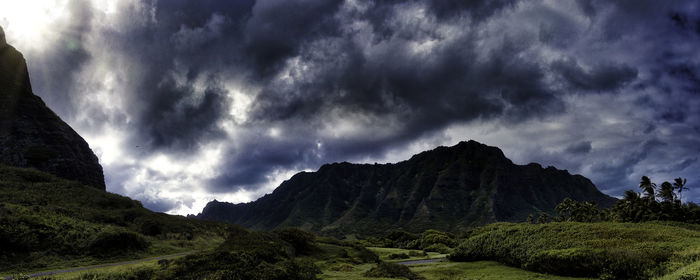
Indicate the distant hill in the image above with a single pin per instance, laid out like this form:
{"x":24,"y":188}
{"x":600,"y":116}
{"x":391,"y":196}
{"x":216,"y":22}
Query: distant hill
{"x":447,"y":188}
{"x":31,"y":135}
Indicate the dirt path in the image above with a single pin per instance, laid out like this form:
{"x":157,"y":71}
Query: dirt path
{"x":67,"y":270}
{"x":420,"y":261}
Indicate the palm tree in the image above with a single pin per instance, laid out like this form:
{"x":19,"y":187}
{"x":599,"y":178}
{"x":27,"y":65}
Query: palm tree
{"x":647,"y":187}
{"x":679,"y":185}
{"x":666,"y":192}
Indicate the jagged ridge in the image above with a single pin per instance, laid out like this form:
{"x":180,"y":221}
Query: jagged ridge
{"x":447,"y":188}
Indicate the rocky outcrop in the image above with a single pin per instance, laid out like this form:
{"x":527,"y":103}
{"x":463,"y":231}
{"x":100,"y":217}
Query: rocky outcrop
{"x":448,"y":188}
{"x":31,"y":135}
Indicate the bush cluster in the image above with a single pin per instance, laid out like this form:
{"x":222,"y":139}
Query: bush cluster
{"x":606,"y":250}
{"x":392,"y":270}
{"x":430,"y":240}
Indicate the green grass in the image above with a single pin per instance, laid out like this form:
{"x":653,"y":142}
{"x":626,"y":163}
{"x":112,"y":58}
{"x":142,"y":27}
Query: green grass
{"x":335,"y":267}
{"x":109,"y":270}
{"x":384,"y":254}
{"x":617,"y":250}
{"x":48,"y":223}
{"x":482,"y":270}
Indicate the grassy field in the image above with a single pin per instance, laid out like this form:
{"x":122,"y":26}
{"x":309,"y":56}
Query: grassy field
{"x":333,"y":267}
{"x":481,"y":270}
{"x":384,"y":254}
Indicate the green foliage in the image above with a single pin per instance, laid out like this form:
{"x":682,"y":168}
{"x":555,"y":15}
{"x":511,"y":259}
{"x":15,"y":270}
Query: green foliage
{"x":401,"y":239}
{"x":47,"y":222}
{"x":117,"y":241}
{"x":575,"y":211}
{"x":365,"y":255}
{"x":439,"y":247}
{"x":258,"y":246}
{"x":413,"y":253}
{"x":531,"y":218}
{"x":398,"y":256}
{"x":637,"y":208}
{"x":608,"y":250}
{"x":301,"y":241}
{"x":433,"y":237}
{"x":392,"y":270}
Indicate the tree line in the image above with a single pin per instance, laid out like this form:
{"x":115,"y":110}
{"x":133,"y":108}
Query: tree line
{"x":654,"y":203}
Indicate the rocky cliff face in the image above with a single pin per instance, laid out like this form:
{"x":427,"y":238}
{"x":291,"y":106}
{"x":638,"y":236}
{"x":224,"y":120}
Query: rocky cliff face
{"x":31,"y":135}
{"x":447,"y":188}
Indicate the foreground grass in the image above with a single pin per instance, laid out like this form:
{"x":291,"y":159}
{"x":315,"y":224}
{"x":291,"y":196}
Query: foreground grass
{"x":334,"y":267}
{"x":481,"y":270}
{"x":385,"y":253}
{"x":605,"y":250}
{"x":48,"y":223}
{"x":108,"y":270}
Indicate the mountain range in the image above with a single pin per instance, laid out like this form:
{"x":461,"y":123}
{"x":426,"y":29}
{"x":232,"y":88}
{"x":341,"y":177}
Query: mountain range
{"x":448,"y":188}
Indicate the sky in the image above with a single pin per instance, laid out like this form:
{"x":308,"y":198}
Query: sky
{"x":187,"y":101}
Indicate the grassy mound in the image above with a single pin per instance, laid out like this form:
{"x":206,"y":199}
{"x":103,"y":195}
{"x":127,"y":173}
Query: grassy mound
{"x":392,"y":270}
{"x":605,"y":250}
{"x":47,"y":222}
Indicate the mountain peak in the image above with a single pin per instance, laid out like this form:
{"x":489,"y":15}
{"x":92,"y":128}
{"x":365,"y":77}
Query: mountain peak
{"x":447,"y":188}
{"x":31,"y":135}
{"x":3,"y":42}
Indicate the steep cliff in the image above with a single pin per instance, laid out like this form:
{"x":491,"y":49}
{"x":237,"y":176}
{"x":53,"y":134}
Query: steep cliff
{"x":31,"y":135}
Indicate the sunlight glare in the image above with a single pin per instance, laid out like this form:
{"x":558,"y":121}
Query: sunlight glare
{"x":29,"y":23}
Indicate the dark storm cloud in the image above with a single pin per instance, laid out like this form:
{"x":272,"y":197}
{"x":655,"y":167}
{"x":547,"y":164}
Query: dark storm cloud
{"x":615,"y":174}
{"x":600,"y":78}
{"x":582,"y":147}
{"x":277,"y":29}
{"x":351,"y":80}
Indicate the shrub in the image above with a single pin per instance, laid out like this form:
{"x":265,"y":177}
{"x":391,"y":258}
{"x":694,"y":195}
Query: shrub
{"x":440,"y":248}
{"x":149,"y":227}
{"x":343,"y":268}
{"x":259,"y":246}
{"x":413,"y":253}
{"x":301,"y":241}
{"x":401,"y":239}
{"x":433,"y":237}
{"x":111,"y":242}
{"x":398,"y":256}
{"x":392,"y":270}
{"x":365,"y":255}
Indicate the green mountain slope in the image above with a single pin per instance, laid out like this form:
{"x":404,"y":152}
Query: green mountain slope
{"x":48,"y":222}
{"x":447,"y":188}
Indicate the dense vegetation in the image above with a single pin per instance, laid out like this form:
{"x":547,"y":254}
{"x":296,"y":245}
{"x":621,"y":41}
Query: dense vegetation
{"x":49,"y":222}
{"x":655,"y":203}
{"x":447,"y":189}
{"x":602,"y":243}
{"x":605,"y":250}
{"x":429,"y":241}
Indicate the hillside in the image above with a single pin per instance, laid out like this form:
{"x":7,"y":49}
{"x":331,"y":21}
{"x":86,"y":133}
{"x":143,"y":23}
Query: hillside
{"x":49,"y":222}
{"x":447,"y":188}
{"x":31,"y":135}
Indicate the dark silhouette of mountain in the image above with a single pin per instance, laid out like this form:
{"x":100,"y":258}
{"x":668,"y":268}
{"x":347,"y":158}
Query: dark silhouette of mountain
{"x":448,"y":188}
{"x":31,"y":135}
